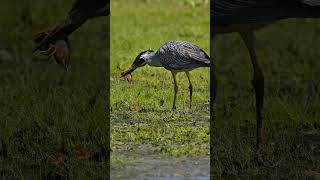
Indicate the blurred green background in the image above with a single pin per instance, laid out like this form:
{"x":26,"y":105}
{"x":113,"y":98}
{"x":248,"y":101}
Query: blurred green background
{"x":46,"y":113}
{"x":288,"y":53}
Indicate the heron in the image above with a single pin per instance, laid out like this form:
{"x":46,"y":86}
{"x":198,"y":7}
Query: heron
{"x":245,"y":17}
{"x":174,"y":56}
{"x":53,"y":41}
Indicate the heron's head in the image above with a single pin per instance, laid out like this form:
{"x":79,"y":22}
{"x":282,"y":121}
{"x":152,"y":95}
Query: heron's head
{"x":140,"y":61}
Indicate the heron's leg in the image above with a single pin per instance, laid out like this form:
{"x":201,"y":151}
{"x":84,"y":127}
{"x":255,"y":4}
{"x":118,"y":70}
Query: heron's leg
{"x":190,"y":89}
{"x":258,"y":84}
{"x":175,"y":89}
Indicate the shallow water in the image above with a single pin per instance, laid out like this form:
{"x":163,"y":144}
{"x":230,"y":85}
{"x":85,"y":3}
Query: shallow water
{"x":163,"y":168}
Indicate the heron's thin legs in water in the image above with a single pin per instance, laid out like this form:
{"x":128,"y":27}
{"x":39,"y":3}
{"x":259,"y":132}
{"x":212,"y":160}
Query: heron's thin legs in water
{"x":190,"y":88}
{"x":258,"y":84}
{"x":175,"y":90}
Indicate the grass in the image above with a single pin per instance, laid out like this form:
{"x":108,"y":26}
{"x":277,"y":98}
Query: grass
{"x":287,"y":52}
{"x":140,"y":124}
{"x":47,"y":112}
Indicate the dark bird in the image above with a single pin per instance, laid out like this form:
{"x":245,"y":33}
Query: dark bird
{"x":246,"y":16}
{"x":54,"y":40}
{"x":174,"y":56}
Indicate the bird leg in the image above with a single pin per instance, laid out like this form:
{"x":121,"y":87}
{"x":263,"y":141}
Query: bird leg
{"x":175,"y":90}
{"x":190,"y":89}
{"x":258,"y":85}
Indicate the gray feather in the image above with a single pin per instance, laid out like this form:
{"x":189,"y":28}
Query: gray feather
{"x":226,"y":12}
{"x":179,"y":55}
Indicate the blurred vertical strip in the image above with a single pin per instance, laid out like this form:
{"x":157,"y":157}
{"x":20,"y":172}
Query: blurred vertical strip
{"x":108,"y":90}
{"x":54,"y":124}
{"x":213,"y":97}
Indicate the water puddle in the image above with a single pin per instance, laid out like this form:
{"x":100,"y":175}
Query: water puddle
{"x":162,"y":168}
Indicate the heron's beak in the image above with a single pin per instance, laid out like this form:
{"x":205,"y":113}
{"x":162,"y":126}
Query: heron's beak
{"x":129,"y":71}
{"x":46,"y":36}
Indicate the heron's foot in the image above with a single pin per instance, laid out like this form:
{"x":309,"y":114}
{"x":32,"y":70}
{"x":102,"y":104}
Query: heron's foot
{"x":190,"y":108}
{"x":174,"y":108}
{"x":258,"y":157}
{"x":261,"y":161}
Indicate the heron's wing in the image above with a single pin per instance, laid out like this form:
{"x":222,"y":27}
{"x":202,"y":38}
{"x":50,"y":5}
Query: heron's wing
{"x":193,"y":52}
{"x":226,"y":12}
{"x":179,"y":55}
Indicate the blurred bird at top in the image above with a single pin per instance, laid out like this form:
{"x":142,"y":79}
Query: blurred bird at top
{"x":53,"y":41}
{"x":246,"y":16}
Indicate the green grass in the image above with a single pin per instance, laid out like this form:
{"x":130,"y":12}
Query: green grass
{"x":45,"y":110}
{"x":288,"y":53}
{"x":155,"y":130}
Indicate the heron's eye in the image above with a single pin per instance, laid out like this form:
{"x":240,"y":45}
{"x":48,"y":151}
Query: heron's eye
{"x":141,"y":60}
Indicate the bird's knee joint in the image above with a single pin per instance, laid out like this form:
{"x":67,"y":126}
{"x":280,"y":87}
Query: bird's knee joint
{"x":258,"y":75}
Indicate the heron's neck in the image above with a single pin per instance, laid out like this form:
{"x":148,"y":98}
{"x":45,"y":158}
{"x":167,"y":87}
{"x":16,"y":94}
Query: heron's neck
{"x":152,"y":60}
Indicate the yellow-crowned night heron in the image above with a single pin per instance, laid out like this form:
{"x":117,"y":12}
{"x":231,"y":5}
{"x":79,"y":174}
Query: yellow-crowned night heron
{"x":245,"y":16}
{"x":175,"y":56}
{"x":54,"y":40}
